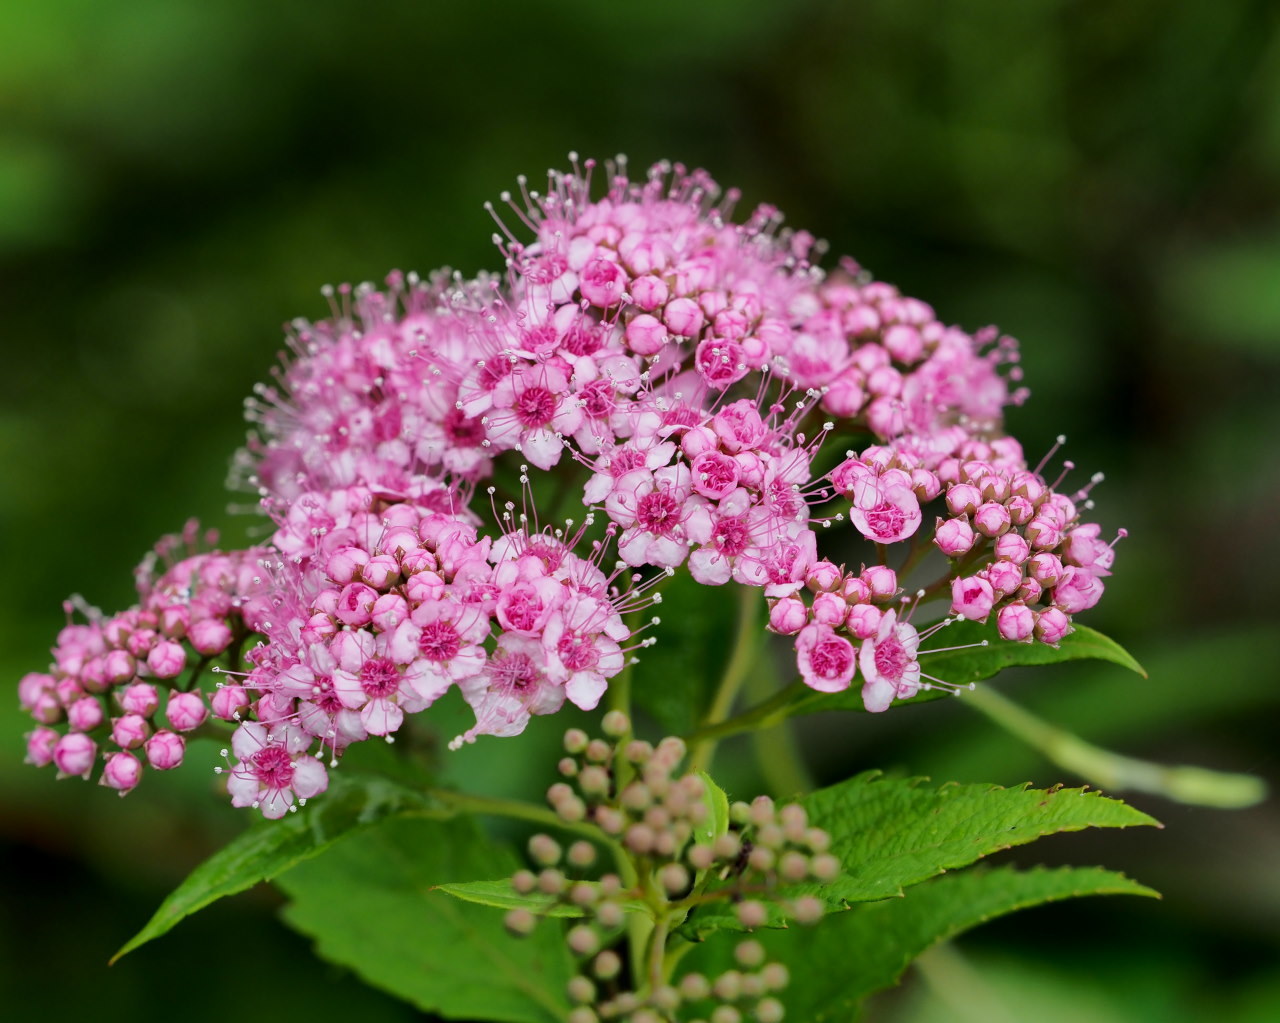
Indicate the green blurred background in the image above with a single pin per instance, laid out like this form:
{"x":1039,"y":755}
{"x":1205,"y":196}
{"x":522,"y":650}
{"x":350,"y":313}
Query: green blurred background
{"x":1101,"y":180}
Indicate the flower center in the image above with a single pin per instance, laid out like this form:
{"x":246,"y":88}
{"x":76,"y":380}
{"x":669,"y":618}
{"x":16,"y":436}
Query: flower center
{"x":831,"y":657}
{"x":657,"y":512}
{"x":379,"y":677}
{"x":731,"y":536}
{"x":576,"y":653}
{"x":273,"y":767}
{"x":535,"y":406}
{"x":439,"y":642}
{"x":515,"y":673}
{"x":891,"y":659}
{"x":886,"y":520}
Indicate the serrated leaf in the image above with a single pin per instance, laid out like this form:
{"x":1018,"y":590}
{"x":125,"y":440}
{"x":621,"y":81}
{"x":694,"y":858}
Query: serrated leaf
{"x":373,"y":904}
{"x":269,"y":848}
{"x":850,"y":955}
{"x":892,"y":833}
{"x":976,"y":663}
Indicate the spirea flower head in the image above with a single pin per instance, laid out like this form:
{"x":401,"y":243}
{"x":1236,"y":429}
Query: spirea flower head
{"x":717,"y":402}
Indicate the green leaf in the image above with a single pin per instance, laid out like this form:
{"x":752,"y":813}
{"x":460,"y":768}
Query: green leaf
{"x":892,"y":833}
{"x":373,"y":904}
{"x":500,"y":895}
{"x":849,"y":955}
{"x":269,"y":848}
{"x":717,"y":819}
{"x":961,"y":667}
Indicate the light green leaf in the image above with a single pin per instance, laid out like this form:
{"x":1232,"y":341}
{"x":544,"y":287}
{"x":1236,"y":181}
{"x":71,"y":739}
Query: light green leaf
{"x":849,"y":955}
{"x":892,"y":833}
{"x":373,"y":904}
{"x":717,"y":819}
{"x":269,"y":848}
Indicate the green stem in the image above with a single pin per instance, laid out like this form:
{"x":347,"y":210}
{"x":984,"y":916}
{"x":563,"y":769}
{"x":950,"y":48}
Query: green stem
{"x":1197,"y":786}
{"x":764,"y":715}
{"x":746,"y":647}
{"x":775,"y":746}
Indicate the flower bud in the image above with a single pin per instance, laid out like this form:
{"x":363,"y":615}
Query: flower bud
{"x":139,"y":698}
{"x":345,"y":563}
{"x":1045,"y":568}
{"x":118,"y":666}
{"x":1015,"y":622}
{"x":963,"y":499}
{"x":121,"y":772}
{"x":228,"y":701}
{"x":1052,"y":624}
{"x":882,"y":581}
{"x":1004,"y":576}
{"x":646,"y":335}
{"x":85,"y":714}
{"x":382,"y":572}
{"x":972,"y":597}
{"x":129,"y":731}
{"x":788,"y":616}
{"x":165,"y":749}
{"x":991,"y":519}
{"x":683,"y":317}
{"x":74,"y":754}
{"x":167,"y":659}
{"x":829,"y":609}
{"x":210,"y":636}
{"x":823,"y":577}
{"x":40,"y":746}
{"x":954,"y":537}
{"x":648,"y":293}
{"x":186,"y":711}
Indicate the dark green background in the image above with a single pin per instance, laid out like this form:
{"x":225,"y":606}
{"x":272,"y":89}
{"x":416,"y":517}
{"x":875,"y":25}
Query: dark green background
{"x":1101,"y":180}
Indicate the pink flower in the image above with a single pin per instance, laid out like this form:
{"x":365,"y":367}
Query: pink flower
{"x":1077,"y":590}
{"x":512,"y":686}
{"x":889,"y":666}
{"x":827,"y":662}
{"x":273,"y":768}
{"x":972,"y":597}
{"x":660,"y":516}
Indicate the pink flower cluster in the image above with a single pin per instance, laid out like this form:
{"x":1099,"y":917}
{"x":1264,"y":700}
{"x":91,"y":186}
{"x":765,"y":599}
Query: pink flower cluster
{"x":688,"y":376}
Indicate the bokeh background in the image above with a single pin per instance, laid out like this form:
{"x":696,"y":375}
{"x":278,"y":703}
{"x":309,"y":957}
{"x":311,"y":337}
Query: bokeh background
{"x":1101,"y":180}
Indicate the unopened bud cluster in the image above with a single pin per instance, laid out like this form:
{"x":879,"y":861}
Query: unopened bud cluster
{"x":663,"y":826}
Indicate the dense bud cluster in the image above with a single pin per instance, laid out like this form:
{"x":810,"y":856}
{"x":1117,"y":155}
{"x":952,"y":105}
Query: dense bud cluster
{"x":688,"y":377}
{"x":678,"y":845}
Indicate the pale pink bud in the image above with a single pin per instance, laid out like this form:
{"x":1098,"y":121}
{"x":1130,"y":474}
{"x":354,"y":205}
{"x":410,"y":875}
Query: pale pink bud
{"x":1021,"y":510}
{"x":699,"y":440}
{"x":903,"y":343}
{"x":881,"y":580}
{"x":389,"y":611}
{"x":186,"y":711}
{"x":1016,"y":622}
{"x":602,"y":282}
{"x":73,"y":754}
{"x":683,"y":317}
{"x":649,"y":292}
{"x":345,"y":563}
{"x":1029,"y":591}
{"x":991,"y":519}
{"x":129,"y":731}
{"x":1083,"y":547}
{"x":399,"y":541}
{"x":823,"y":577}
{"x":855,"y":590}
{"x":47,"y":709}
{"x":85,"y":714}
{"x":210,"y":636}
{"x":1077,"y":590}
{"x":1042,"y":534}
{"x":355,"y":604}
{"x":417,"y":560}
{"x":829,"y":609}
{"x":863,"y":620}
{"x":139,"y":698}
{"x":1045,"y":568}
{"x":963,"y":499}
{"x":1051,"y":625}
{"x":326,"y":601}
{"x":122,"y":772}
{"x":1013,"y":547}
{"x":382,"y":572}
{"x":994,"y":488}
{"x":788,"y":616}
{"x":319,"y":628}
{"x":93,"y":675}
{"x":165,"y":750}
{"x":1004,"y":576}
{"x":730,"y":324}
{"x":174,"y":621}
{"x":714,"y":475}
{"x":845,"y":395}
{"x":887,"y":416}
{"x":141,"y":642}
{"x":167,"y":659}
{"x":40,"y":745}
{"x":884,"y":382}
{"x":925,"y":484}
{"x":228,"y":701}
{"x":1028,"y":485}
{"x":32,"y":686}
{"x":68,"y":690}
{"x":646,"y":335}
{"x":971,"y":598}
{"x":954,"y":537}
{"x":118,"y":666}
